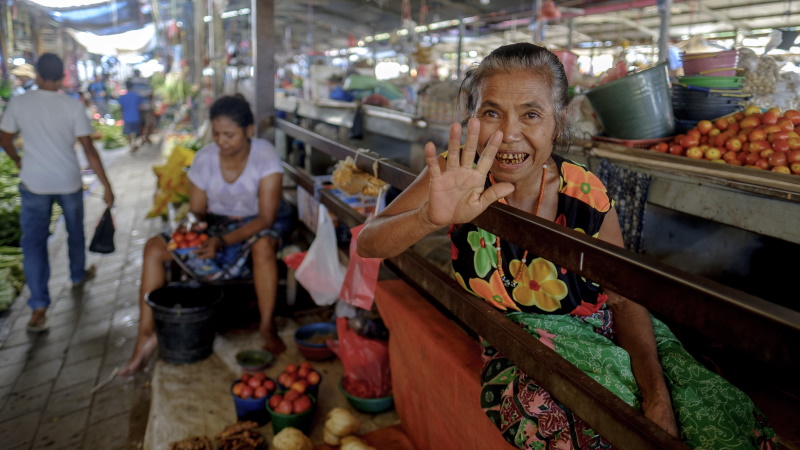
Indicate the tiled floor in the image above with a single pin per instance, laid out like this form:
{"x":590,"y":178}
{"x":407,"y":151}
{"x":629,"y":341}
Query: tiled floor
{"x":46,"y":381}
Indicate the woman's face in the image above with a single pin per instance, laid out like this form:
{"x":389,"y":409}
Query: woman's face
{"x":518,"y":103}
{"x":229,"y":136}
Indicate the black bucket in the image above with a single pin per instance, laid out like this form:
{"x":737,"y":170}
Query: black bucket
{"x":184,"y":317}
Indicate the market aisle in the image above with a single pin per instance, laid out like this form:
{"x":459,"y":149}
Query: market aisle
{"x":47,"y":381}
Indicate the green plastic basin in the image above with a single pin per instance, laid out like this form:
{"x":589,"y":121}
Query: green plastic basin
{"x":638,"y":106}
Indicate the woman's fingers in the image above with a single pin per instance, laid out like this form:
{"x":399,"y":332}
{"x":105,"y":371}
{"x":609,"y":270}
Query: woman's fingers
{"x":487,"y":156}
{"x":432,"y":160}
{"x":454,"y":146}
{"x":471,"y":143}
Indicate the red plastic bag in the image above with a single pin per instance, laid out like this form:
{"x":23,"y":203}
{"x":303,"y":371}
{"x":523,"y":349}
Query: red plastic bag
{"x":361,"y":278}
{"x":365,"y":363}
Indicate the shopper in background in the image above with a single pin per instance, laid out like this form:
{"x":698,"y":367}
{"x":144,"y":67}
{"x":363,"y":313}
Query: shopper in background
{"x":515,"y":104}
{"x":236,"y":189}
{"x":26,"y":77}
{"x":142,"y":87}
{"x":130,"y":103}
{"x":97,"y":90}
{"x":50,"y":122}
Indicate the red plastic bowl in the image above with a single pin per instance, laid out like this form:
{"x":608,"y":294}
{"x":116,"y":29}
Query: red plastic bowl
{"x":315,"y":353}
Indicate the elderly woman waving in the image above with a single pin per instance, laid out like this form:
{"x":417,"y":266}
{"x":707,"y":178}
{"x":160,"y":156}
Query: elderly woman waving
{"x":515,"y":105}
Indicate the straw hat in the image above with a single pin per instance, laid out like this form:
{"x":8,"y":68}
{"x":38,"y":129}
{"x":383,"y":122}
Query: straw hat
{"x":24,"y":70}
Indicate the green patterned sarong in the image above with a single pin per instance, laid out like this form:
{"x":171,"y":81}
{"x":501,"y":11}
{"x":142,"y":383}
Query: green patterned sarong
{"x":711,"y":413}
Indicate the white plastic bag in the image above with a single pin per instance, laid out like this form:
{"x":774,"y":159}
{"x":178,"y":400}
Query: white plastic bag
{"x":320,"y":273}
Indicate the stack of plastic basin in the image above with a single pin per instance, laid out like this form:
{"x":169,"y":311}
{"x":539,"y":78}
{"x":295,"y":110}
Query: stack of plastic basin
{"x":710,"y":88}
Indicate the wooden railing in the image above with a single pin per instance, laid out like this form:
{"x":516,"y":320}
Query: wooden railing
{"x":762,"y":330}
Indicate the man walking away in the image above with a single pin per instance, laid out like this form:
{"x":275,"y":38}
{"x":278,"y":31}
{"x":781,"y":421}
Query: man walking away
{"x":131,"y":114}
{"x":142,"y":87}
{"x":50,"y":122}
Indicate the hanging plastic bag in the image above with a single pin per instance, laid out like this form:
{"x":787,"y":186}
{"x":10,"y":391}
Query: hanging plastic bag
{"x":361,"y":278}
{"x":365,"y":363}
{"x":320,"y":272}
{"x":103,"y":239}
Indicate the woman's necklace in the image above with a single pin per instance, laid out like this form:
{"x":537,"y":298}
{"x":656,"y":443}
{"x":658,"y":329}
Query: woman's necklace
{"x":513,"y":283}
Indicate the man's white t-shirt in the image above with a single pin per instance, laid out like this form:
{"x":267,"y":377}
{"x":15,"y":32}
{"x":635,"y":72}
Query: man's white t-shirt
{"x":50,"y":123}
{"x":240,"y":198}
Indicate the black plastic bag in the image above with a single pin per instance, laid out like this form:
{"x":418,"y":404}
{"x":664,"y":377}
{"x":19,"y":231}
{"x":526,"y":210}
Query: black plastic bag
{"x":103,"y":239}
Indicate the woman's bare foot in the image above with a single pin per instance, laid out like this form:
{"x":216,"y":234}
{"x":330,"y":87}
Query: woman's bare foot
{"x":145,"y":346}
{"x":272,"y":342}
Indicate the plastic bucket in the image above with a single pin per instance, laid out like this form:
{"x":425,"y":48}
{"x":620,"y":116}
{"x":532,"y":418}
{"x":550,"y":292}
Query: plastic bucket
{"x":638,"y":106}
{"x":184,"y":321}
{"x":254,"y":409}
{"x":302,"y":421}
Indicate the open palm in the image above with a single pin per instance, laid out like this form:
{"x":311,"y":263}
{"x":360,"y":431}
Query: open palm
{"x":456,"y":193}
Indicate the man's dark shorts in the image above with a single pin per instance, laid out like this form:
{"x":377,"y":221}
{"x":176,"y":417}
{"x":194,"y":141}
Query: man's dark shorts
{"x":131,"y":128}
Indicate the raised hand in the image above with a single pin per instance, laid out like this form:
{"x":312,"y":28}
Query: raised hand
{"x":456,"y":194}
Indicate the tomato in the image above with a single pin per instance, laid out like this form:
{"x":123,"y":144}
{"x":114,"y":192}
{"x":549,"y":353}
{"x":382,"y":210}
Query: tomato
{"x":793,"y":156}
{"x":778,"y":135}
{"x":190,"y":236}
{"x":758,"y":134}
{"x":786,"y":125}
{"x":172,"y":245}
{"x":795,"y":168}
{"x":751,"y":110}
{"x":178,"y":237}
{"x":694,"y":152}
{"x":780,"y":146}
{"x":777,"y":159}
{"x":793,"y":116}
{"x":676,"y":149}
{"x":713,"y":153}
{"x":193,"y":243}
{"x":661,"y":147}
{"x":733,"y":144}
{"x":769,"y":118}
{"x":781,"y":169}
{"x":730,"y":156}
{"x":704,"y":126}
{"x":762,"y":164}
{"x":750,"y":122}
{"x":721,"y":124}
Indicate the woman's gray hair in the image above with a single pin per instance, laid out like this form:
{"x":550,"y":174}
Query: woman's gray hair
{"x":520,"y":56}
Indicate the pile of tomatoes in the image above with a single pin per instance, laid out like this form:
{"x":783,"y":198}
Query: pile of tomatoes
{"x":255,"y":385}
{"x":751,"y":138}
{"x":191,"y":238}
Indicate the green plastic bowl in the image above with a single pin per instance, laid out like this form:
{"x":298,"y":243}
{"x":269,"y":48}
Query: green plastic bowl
{"x":254,"y":360}
{"x":638,"y":106}
{"x":368,"y":405}
{"x":302,"y":421}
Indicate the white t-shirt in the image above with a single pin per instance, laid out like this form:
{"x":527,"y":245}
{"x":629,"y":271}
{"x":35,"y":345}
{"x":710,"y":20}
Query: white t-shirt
{"x":240,"y":198}
{"x":50,"y":123}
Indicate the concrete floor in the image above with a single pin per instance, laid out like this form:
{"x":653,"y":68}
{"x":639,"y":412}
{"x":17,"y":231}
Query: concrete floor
{"x":46,"y":381}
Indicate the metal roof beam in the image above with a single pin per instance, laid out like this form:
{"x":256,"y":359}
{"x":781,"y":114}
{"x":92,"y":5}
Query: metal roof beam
{"x":722,"y":17}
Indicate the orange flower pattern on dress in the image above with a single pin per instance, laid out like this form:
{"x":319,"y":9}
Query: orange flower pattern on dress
{"x":584,"y":186}
{"x":539,"y":285}
{"x":494,"y":292}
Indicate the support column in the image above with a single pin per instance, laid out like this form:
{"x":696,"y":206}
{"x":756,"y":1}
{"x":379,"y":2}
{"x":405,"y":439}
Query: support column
{"x":263,"y":21}
{"x":665,"y":13}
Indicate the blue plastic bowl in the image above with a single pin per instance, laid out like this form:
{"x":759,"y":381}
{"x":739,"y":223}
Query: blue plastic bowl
{"x":311,"y":335}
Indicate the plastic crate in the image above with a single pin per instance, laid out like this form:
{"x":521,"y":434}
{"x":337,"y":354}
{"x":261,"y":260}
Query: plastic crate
{"x":637,"y":143}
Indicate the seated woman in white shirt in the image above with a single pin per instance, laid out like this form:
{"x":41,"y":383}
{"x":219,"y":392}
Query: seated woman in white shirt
{"x":236,"y":189}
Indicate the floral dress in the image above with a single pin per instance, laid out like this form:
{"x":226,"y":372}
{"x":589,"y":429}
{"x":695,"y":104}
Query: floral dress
{"x":567,"y":313}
